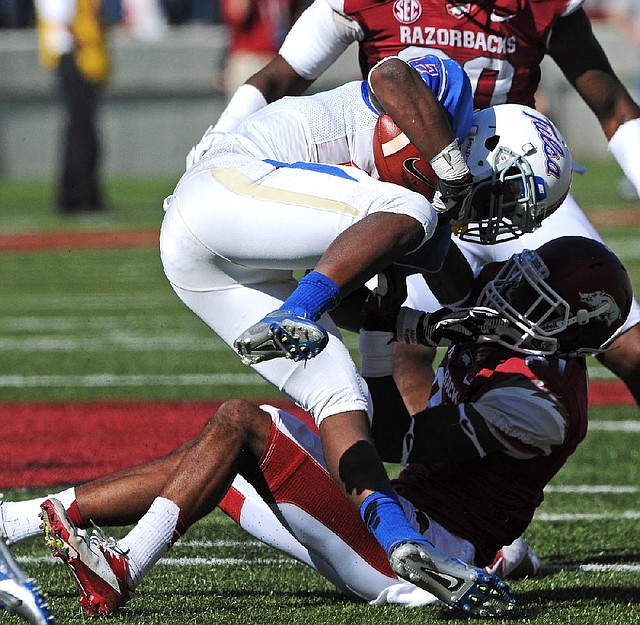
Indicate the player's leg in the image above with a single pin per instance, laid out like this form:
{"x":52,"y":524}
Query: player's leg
{"x":115,"y":499}
{"x":223,"y":274}
{"x":107,"y":571}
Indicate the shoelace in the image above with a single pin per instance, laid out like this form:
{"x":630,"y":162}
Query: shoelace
{"x":111,"y":546}
{"x":105,"y":543}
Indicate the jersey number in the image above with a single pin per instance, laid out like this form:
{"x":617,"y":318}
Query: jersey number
{"x":490,"y":78}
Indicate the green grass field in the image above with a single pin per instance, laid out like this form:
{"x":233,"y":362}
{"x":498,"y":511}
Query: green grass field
{"x":83,"y":325}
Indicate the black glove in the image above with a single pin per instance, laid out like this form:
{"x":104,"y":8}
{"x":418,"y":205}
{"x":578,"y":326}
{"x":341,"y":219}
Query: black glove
{"x":452,"y":198}
{"x":381,"y":308}
{"x":447,"y":326}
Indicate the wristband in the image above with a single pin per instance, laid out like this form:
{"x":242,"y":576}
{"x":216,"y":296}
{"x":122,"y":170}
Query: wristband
{"x":376,"y":352}
{"x":410,"y":326}
{"x":449,"y":164}
{"x":245,"y":101}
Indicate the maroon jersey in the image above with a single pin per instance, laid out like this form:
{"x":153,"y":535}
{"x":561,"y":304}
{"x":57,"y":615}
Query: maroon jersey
{"x":536,"y":407}
{"x":500,"y":46}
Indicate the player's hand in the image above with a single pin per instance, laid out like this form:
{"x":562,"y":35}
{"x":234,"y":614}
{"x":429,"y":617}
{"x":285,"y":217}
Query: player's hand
{"x":208,"y":140}
{"x":452,"y":198}
{"x":381,"y":307}
{"x":446,"y":326}
{"x":463,"y":324}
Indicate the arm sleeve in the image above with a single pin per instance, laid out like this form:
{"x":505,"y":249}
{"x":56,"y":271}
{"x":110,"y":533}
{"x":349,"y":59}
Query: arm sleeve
{"x":316,"y":40}
{"x":244,"y":102}
{"x":625,"y":147}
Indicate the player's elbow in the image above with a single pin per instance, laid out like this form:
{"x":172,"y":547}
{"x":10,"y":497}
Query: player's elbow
{"x":388,"y":75}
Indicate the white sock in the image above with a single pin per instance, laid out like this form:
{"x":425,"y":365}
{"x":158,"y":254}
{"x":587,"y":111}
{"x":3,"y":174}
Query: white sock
{"x":21,"y":519}
{"x":150,"y":539}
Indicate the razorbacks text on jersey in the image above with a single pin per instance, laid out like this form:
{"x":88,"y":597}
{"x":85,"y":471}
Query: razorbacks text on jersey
{"x":538,"y":409}
{"x":500,"y":45}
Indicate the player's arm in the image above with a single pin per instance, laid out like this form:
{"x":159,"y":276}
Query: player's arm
{"x":317,"y":38}
{"x":515,"y":418}
{"x":399,"y":90}
{"x":436,"y":436}
{"x":451,"y":284}
{"x":575,"y":49}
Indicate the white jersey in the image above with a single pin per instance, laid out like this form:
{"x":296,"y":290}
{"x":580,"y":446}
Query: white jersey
{"x":334,"y":127}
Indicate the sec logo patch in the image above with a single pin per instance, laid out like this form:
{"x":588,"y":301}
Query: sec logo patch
{"x":407,"y":11}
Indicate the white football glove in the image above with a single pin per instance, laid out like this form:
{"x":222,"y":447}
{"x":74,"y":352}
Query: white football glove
{"x":208,"y":140}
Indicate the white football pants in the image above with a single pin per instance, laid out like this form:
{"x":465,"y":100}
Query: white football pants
{"x":234,"y":230}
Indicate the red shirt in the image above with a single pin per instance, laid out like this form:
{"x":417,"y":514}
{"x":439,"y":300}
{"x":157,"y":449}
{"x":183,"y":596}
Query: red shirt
{"x":500,"y":48}
{"x":264,"y":26}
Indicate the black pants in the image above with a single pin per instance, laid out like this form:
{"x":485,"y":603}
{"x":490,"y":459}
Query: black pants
{"x":79,"y":188}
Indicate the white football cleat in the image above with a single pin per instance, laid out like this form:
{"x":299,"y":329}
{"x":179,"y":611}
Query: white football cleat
{"x":96,"y":564}
{"x":281,"y":334}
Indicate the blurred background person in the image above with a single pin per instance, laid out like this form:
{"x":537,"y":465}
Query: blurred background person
{"x":144,"y":19}
{"x":191,"y":12}
{"x":71,"y":41}
{"x":256,"y":29}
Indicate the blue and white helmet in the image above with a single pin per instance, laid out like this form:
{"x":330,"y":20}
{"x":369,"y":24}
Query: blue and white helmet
{"x":521,"y":167}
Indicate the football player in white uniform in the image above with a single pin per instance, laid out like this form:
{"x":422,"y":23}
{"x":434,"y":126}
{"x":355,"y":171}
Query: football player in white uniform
{"x":273,"y":197}
{"x":504,"y":415}
{"x":501,"y":48}
{"x":290,"y":189}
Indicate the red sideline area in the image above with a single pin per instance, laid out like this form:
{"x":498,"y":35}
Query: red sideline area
{"x":47,"y":444}
{"x":52,"y":241}
{"x":44,"y":444}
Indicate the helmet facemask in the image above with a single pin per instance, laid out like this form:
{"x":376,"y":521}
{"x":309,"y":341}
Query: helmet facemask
{"x":519,"y":293}
{"x":521,"y":169}
{"x":504,"y":205}
{"x":538,"y":315}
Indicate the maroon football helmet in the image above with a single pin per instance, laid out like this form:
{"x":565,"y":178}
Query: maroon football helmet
{"x":568,"y":297}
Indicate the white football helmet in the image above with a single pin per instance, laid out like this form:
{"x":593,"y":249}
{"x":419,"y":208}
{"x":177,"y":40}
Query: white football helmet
{"x":568,"y":297}
{"x":521,"y":167}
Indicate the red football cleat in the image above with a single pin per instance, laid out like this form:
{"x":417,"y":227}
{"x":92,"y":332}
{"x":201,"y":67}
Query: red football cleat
{"x":515,"y":561}
{"x":96,"y":564}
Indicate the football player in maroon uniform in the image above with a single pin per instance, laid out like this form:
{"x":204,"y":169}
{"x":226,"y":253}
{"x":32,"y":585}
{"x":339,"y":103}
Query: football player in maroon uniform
{"x":500,"y":45}
{"x":505,"y":413}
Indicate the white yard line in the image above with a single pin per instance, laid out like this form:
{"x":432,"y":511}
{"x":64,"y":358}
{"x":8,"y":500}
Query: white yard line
{"x":115,"y":342}
{"x":106,"y":380}
{"x":589,"y":489}
{"x":550,"y":517}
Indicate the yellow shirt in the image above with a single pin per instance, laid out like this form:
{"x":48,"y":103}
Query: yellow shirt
{"x":73,"y":26}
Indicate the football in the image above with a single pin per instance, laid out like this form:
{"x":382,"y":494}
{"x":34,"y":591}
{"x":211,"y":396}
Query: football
{"x":398,"y":160}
